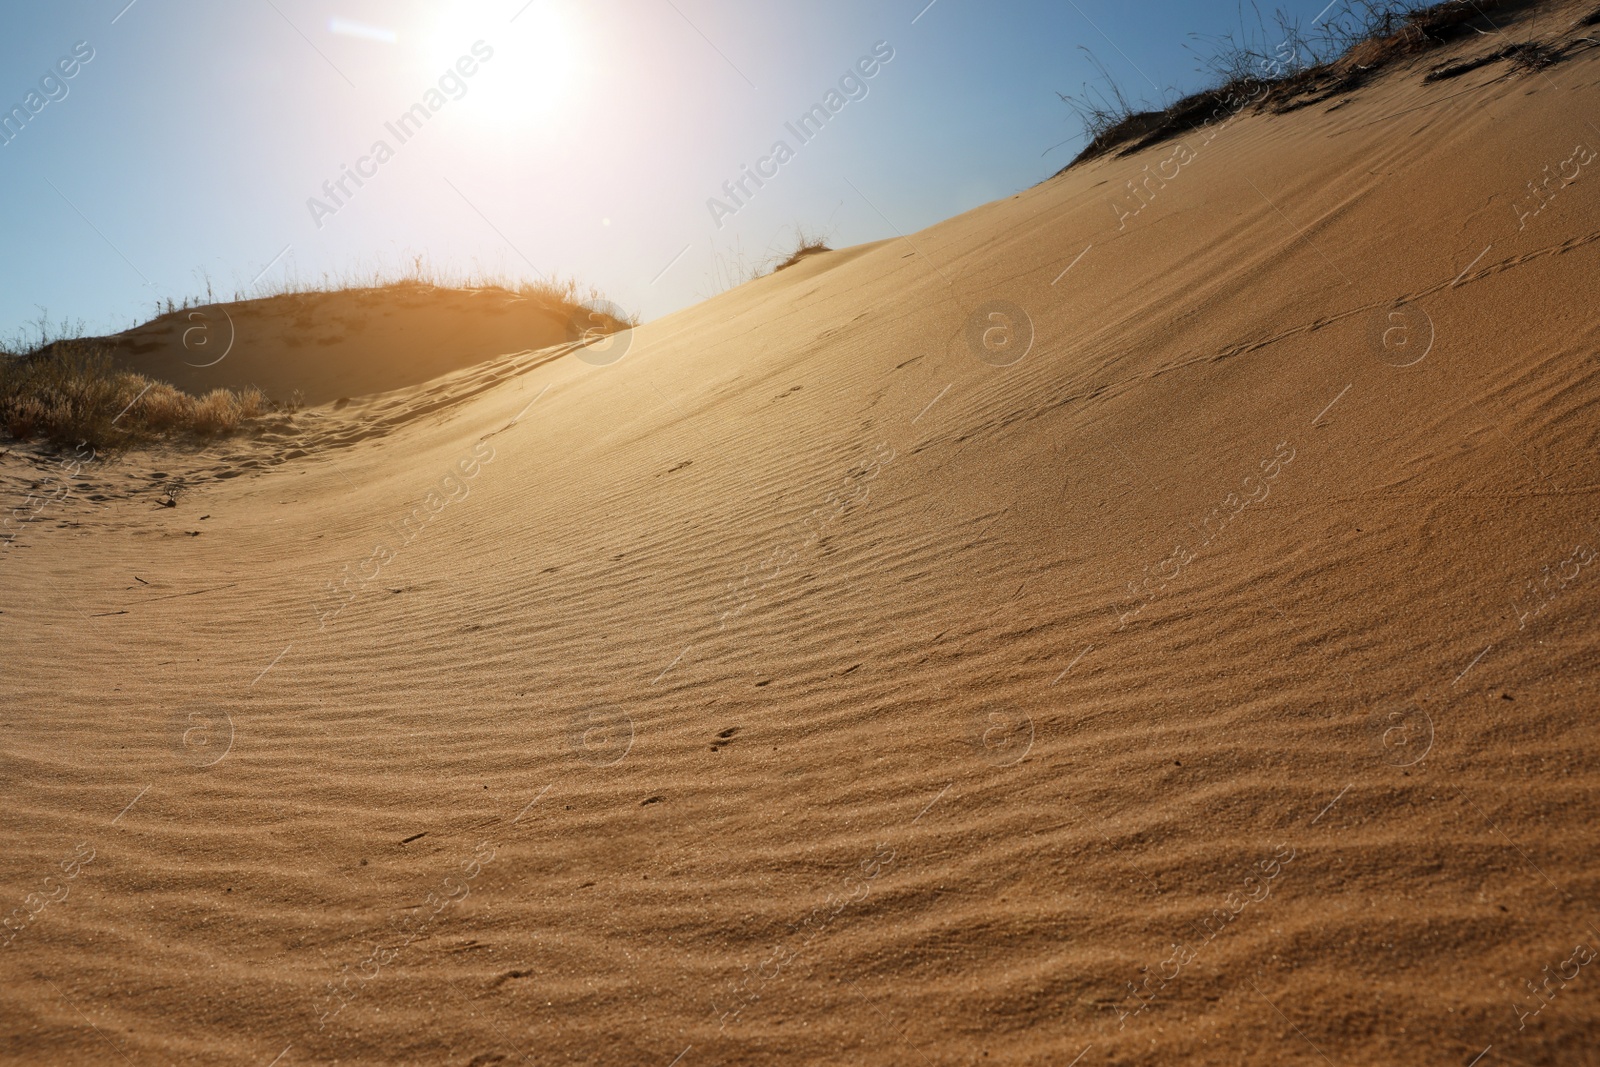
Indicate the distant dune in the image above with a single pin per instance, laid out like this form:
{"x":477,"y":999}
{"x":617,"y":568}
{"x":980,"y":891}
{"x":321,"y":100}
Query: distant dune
{"x":339,"y":344}
{"x":1148,"y":619}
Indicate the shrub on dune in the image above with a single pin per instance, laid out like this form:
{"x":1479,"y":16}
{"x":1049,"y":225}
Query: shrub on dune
{"x":253,"y":403}
{"x":164,"y":409}
{"x":71,"y":391}
{"x":25,"y":418}
{"x":216,"y":413}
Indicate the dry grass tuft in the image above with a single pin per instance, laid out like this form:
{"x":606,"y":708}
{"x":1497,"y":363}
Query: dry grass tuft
{"x":809,"y":246}
{"x":70,"y":392}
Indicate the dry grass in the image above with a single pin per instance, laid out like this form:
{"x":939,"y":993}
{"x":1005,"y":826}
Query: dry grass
{"x":1298,"y":69}
{"x":737,"y":269}
{"x":809,"y":246}
{"x":416,"y":273}
{"x":1524,"y":55}
{"x":71,"y":392}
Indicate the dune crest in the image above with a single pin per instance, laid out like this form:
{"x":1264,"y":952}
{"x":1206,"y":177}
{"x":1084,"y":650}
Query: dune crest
{"x":328,"y":346}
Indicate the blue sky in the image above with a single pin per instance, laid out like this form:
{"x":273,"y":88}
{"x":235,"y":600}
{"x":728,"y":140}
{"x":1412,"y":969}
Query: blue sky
{"x":587,"y":144}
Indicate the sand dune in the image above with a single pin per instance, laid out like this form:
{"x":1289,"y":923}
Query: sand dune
{"x":328,"y":346}
{"x":1154,"y":639}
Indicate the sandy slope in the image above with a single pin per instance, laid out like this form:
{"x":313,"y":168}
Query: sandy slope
{"x":928,"y":784}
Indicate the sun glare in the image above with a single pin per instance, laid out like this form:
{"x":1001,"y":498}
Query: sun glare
{"x":532,"y":66}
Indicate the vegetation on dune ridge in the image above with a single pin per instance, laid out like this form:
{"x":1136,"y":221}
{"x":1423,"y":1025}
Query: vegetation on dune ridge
{"x":418,"y":274}
{"x":564,"y":295}
{"x":735,"y":268}
{"x":1288,"y":67}
{"x":809,"y":246}
{"x":64,"y":388}
{"x":70,"y":392}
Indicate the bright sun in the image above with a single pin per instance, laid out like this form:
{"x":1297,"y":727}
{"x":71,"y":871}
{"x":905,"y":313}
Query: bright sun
{"x":533,"y":65}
